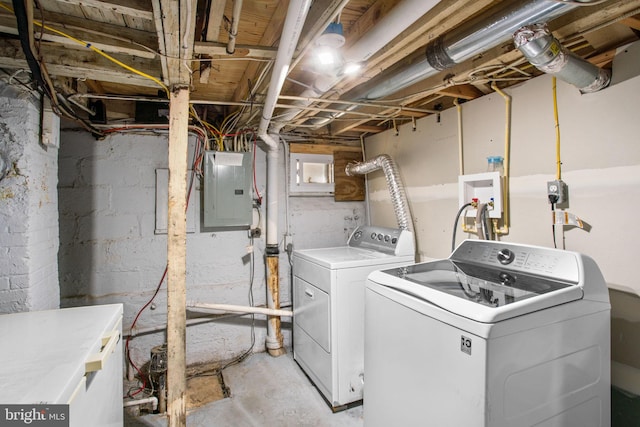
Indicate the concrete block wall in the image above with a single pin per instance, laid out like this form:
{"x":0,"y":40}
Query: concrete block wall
{"x":28,"y":208}
{"x":109,"y":251}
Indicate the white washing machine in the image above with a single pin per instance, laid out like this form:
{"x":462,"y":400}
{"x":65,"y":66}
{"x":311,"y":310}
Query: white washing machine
{"x":328,"y":305}
{"x":496,"y":335}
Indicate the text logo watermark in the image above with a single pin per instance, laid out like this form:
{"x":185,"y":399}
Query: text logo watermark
{"x":34,"y":415}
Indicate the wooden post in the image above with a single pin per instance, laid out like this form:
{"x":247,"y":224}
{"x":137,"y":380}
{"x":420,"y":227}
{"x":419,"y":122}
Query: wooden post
{"x":176,"y":257}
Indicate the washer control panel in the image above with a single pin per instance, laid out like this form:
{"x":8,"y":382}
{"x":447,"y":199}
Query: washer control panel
{"x":383,"y":239}
{"x":541,"y":261}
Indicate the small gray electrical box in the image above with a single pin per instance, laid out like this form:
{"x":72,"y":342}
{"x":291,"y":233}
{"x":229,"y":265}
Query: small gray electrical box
{"x":227,"y":189}
{"x":558,"y":193}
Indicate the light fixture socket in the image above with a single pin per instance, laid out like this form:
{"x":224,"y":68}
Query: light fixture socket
{"x":332,"y":36}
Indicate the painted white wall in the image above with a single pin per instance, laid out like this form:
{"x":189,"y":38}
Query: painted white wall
{"x":109,"y":252}
{"x":600,"y":163}
{"x":28,"y":208}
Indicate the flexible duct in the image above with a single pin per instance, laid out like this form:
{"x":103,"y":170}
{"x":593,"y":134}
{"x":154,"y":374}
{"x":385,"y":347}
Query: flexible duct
{"x":546,"y":53}
{"x":396,"y":190}
{"x":495,"y":26}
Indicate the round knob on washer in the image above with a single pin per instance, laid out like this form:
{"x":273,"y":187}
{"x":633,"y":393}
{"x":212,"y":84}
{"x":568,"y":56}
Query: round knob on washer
{"x":506,"y":256}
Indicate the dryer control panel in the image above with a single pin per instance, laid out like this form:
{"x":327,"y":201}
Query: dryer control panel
{"x":392,"y":241}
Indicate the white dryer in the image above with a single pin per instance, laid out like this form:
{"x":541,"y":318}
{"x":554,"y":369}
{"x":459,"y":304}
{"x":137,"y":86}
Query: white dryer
{"x":496,"y":335}
{"x":328,"y":305}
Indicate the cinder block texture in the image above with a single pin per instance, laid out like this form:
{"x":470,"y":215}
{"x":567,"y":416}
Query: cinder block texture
{"x":28,"y":208}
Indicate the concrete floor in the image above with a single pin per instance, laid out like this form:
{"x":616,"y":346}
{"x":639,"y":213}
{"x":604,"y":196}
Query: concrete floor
{"x":265,"y":391}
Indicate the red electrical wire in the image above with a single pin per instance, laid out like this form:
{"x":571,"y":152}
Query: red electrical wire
{"x":197,"y":159}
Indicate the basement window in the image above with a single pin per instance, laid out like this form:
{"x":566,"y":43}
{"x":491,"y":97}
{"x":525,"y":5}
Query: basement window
{"x":311,"y":174}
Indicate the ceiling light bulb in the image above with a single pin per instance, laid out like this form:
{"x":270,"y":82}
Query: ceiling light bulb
{"x":351,"y":68}
{"x":326,"y":56}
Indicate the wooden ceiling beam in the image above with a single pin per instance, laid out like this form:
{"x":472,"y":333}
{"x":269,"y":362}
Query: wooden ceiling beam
{"x":220,"y":49}
{"x":269,"y":38}
{"x":137,"y":8}
{"x":162,"y":49}
{"x":214,"y":22}
{"x":465,"y":91}
{"x":178,"y":27}
{"x":103,"y":42}
{"x":632,"y":22}
{"x":61,"y":61}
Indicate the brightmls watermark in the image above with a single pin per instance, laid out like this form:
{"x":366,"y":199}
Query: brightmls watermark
{"x":34,"y":415}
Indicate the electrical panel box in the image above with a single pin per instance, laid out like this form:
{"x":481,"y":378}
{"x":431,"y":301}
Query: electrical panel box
{"x":227,"y":189}
{"x":481,"y":188}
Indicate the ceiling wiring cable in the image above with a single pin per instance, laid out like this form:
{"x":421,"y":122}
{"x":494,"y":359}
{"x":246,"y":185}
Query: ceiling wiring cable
{"x":455,"y":224}
{"x":38,"y":69}
{"x":93,"y":48}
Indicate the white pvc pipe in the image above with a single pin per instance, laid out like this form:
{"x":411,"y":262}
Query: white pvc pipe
{"x":235,"y":20}
{"x":390,"y":26}
{"x":273,"y":156}
{"x":242,"y":309}
{"x":296,"y":15}
{"x":153,"y":400}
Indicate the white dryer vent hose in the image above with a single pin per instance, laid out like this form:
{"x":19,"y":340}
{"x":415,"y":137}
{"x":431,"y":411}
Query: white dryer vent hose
{"x":396,"y":190}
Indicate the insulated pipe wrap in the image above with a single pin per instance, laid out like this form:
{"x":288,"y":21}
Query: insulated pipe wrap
{"x":546,"y":53}
{"x":396,"y":190}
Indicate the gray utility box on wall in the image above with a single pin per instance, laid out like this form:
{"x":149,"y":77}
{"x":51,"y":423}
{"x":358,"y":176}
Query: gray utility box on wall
{"x":227,"y":189}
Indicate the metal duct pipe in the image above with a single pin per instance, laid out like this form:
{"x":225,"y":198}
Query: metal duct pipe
{"x":546,"y":53}
{"x":396,"y":190}
{"x":490,"y":29}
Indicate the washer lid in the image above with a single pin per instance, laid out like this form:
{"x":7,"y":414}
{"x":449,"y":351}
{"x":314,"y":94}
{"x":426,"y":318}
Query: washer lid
{"x":480,"y":293}
{"x":349,"y":257}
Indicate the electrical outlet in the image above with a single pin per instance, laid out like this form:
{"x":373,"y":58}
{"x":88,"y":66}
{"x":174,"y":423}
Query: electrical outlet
{"x":558,"y":193}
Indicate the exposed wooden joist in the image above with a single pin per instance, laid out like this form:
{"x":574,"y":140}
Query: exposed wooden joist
{"x":434,"y":84}
{"x":214,"y":48}
{"x":216,"y":12}
{"x":137,"y":8}
{"x":79,"y":64}
{"x":369,"y":129}
{"x":603,"y":59}
{"x":632,"y":22}
{"x":297,"y":147}
{"x":105,"y":43}
{"x":179,"y":27}
{"x":465,"y":91}
{"x":162,"y":50}
{"x":269,"y":38}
